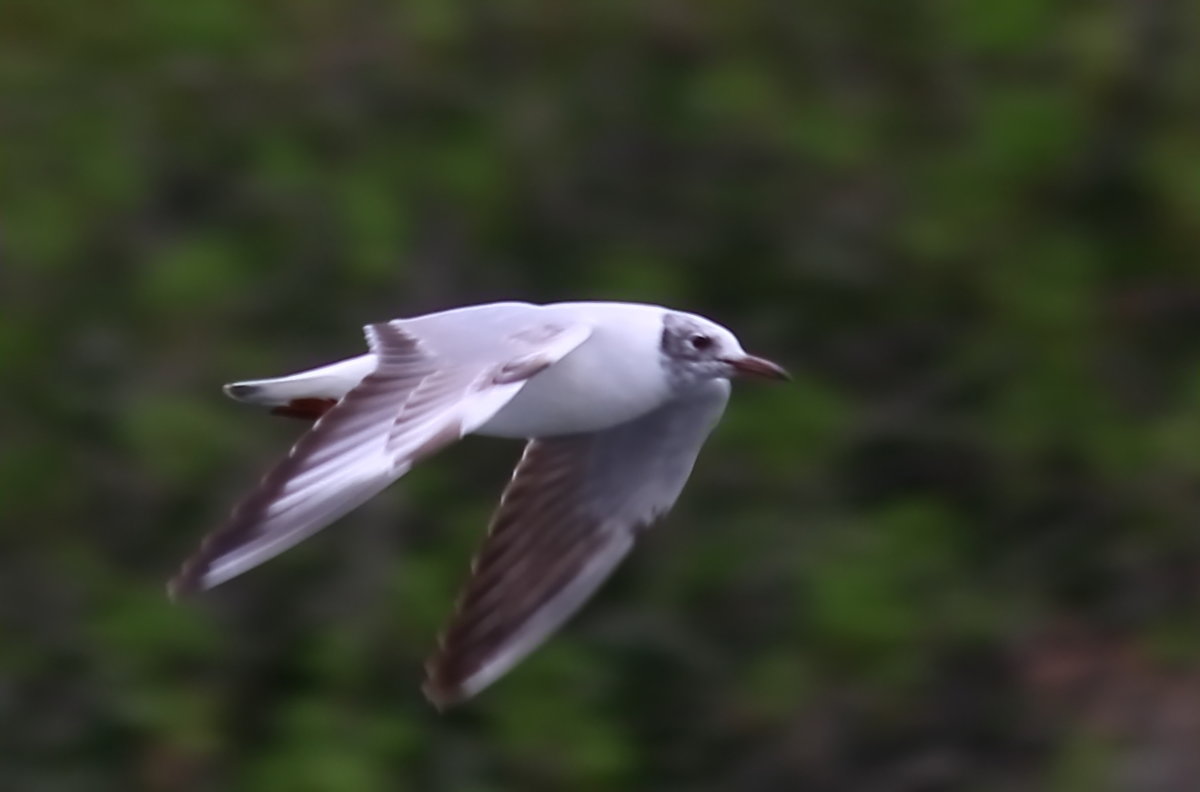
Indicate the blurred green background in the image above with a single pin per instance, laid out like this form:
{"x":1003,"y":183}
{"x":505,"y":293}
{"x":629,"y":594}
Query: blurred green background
{"x":959,"y":553}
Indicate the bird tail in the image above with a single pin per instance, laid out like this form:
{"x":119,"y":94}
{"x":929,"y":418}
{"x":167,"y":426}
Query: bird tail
{"x":306,"y":392}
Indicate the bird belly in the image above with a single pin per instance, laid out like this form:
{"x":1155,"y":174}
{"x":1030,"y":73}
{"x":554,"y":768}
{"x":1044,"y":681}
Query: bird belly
{"x":583,"y":392}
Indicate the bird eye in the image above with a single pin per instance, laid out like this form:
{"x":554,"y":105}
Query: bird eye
{"x":700,"y":341}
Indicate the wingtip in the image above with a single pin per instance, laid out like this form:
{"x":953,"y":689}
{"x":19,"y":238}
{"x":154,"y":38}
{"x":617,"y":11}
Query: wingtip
{"x":183,"y":585}
{"x":442,"y":697}
{"x":439,"y":688}
{"x":175,"y":590}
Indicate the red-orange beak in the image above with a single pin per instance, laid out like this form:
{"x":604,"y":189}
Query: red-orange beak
{"x":761,"y":368}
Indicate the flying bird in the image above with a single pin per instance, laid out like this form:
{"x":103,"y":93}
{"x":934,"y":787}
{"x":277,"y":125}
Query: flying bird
{"x":613,"y":399}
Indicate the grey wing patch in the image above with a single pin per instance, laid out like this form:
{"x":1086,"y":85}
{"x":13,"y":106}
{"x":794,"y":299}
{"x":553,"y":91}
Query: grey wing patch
{"x":571,"y":513}
{"x":521,"y":369}
{"x":539,"y":333}
{"x":526,"y":366}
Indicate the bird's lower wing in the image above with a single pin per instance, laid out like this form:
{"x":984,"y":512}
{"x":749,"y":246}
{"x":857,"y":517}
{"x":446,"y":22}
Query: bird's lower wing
{"x":415,"y":402}
{"x":570,"y":514}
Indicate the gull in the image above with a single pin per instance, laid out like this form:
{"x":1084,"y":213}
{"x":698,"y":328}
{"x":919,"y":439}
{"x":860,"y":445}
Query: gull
{"x":613,"y":400}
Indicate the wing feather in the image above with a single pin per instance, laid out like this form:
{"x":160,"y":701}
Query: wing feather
{"x":570,"y":514}
{"x":422,"y":395}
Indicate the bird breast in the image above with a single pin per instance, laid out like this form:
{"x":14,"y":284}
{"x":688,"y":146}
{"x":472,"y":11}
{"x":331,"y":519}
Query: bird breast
{"x":609,"y":379}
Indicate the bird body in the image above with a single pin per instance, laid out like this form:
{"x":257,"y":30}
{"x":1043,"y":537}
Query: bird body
{"x":612,"y":377}
{"x":614,"y":399}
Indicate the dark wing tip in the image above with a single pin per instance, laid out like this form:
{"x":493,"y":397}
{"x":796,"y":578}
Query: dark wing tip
{"x":448,"y":673}
{"x":442,"y":693}
{"x":187,"y":581}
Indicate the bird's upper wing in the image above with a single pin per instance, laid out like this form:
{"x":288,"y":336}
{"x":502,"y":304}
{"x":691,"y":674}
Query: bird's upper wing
{"x":570,"y":514}
{"x":430,"y":387}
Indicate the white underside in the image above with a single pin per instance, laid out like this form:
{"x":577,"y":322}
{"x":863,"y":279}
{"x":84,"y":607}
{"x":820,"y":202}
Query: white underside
{"x":593,"y":388}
